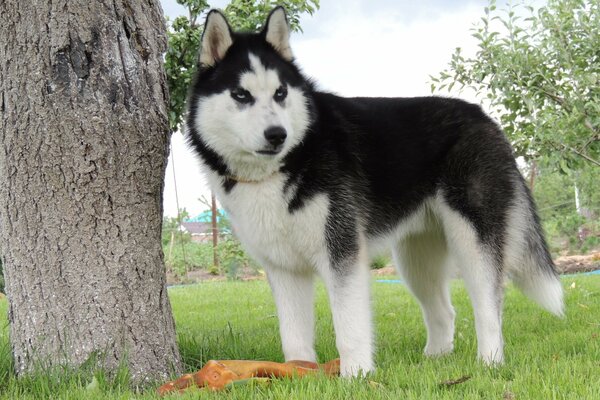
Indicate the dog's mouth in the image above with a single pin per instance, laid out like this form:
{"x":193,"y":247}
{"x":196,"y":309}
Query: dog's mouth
{"x":269,"y":152}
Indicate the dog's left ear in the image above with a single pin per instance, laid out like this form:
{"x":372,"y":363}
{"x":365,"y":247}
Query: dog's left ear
{"x":277,"y":33}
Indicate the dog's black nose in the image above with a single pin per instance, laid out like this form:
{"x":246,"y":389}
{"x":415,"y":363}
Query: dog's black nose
{"x":275,"y":135}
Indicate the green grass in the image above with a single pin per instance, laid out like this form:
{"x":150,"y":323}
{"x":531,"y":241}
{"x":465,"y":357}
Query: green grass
{"x":546,"y":357}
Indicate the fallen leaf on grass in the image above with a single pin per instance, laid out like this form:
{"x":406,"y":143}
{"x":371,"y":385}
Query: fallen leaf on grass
{"x":453,"y":382}
{"x":376,"y":385}
{"x":508,"y":396}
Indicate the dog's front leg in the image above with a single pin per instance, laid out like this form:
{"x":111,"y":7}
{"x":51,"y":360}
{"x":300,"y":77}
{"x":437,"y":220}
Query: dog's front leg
{"x":294,"y":298}
{"x":348,"y":287}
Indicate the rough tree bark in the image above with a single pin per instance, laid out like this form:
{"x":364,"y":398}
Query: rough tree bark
{"x":83,"y":152}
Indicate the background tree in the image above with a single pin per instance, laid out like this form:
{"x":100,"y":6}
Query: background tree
{"x":539,"y":70}
{"x":541,"y":74}
{"x":84,"y":125}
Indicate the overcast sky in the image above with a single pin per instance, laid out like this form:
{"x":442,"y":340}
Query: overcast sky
{"x":353,"y":48}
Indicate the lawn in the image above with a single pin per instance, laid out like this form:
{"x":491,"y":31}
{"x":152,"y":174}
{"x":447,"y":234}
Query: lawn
{"x":546,"y":357}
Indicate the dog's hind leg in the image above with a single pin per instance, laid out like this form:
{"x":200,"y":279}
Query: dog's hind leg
{"x":294,"y":298}
{"x":482,"y":274}
{"x":420,"y":260}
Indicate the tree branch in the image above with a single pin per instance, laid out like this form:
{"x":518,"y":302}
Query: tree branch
{"x":591,"y":127}
{"x":585,"y":156}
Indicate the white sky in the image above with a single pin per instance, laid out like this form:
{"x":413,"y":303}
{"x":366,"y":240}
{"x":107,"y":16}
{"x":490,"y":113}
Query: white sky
{"x":353,"y":48}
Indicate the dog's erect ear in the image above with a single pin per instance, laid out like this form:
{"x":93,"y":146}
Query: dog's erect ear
{"x":216,"y":39}
{"x":277,"y":33}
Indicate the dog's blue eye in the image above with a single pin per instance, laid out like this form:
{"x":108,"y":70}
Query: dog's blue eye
{"x":241,"y":95}
{"x":280,"y":93}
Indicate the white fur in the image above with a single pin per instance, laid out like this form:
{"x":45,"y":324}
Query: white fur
{"x":349,"y":297}
{"x":541,"y":287}
{"x":274,"y":237}
{"x":237,"y":132}
{"x":278,"y":34}
{"x":292,"y":248}
{"x":421,"y":260}
{"x":481,"y":280}
{"x":294,"y":297}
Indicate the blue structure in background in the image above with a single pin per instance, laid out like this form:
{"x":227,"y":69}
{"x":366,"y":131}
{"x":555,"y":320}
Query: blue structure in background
{"x":206,"y":217}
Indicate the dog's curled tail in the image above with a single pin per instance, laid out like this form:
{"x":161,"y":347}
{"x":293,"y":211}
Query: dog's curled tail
{"x":528,"y":259}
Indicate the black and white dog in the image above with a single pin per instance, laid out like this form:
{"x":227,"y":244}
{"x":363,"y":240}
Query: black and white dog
{"x":318,"y":184}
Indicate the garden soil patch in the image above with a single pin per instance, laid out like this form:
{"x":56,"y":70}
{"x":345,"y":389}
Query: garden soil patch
{"x":565,"y":265}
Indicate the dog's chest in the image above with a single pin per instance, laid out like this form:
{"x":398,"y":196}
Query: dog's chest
{"x":270,"y":233}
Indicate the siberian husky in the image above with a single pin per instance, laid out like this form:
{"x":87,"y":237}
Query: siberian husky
{"x":317,"y":184}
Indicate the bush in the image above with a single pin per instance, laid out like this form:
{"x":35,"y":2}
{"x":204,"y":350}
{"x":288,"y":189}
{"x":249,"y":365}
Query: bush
{"x":381,"y":261}
{"x":232,"y":257}
{"x":184,"y":255}
{"x":554,"y":193}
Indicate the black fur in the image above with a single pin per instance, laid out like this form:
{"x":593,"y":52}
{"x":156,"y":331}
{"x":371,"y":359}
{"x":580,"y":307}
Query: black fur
{"x":396,"y":153}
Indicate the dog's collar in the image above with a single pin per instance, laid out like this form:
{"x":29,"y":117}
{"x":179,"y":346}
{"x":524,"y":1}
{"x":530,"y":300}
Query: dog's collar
{"x":237,"y":179}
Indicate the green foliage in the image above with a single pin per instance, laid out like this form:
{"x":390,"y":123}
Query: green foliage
{"x":170,"y":227}
{"x":232,"y":257}
{"x":188,"y":256}
{"x":554,"y":193}
{"x":249,"y":15}
{"x":184,"y":40}
{"x":183,"y":255}
{"x":541,"y":73}
{"x":381,"y":261}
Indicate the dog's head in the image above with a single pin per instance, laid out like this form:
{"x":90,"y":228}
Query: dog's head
{"x":249,"y":103}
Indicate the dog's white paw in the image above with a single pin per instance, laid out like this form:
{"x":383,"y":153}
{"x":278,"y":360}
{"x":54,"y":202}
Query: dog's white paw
{"x":350,"y":368}
{"x":438,"y":349}
{"x":492,"y":358}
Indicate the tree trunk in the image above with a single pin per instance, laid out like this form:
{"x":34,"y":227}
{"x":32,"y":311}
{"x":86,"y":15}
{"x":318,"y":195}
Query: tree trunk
{"x":82,"y":161}
{"x":532,"y":174}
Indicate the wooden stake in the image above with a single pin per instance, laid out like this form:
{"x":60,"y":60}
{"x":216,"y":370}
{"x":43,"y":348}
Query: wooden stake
{"x":215,"y":231}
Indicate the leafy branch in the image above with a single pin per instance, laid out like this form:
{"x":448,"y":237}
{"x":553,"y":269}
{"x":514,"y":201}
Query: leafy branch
{"x":540,"y":72}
